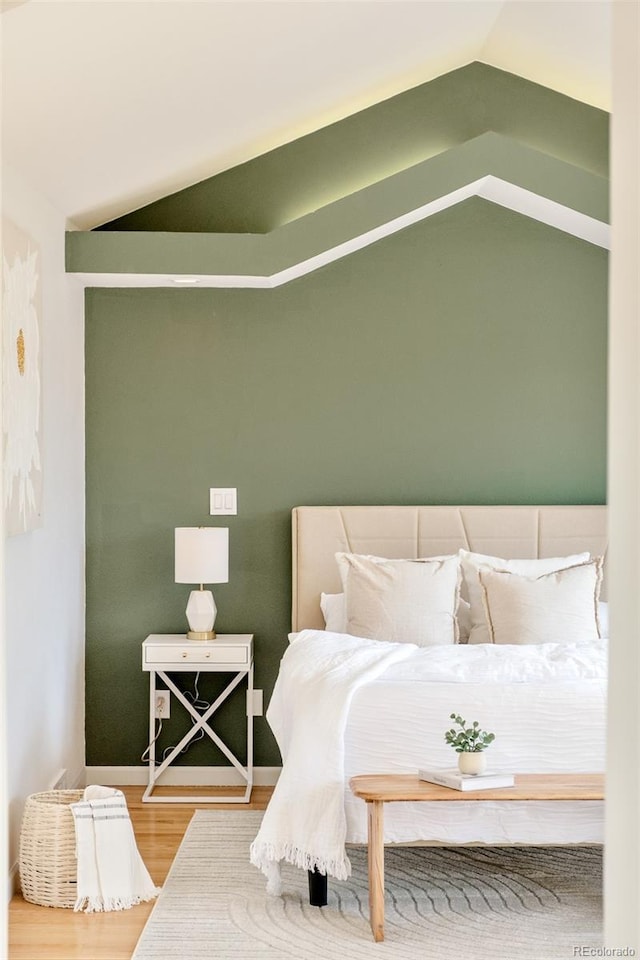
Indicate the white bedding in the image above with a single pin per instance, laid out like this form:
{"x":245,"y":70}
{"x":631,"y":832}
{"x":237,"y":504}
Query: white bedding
{"x":546,"y":705}
{"x":503,"y":663}
{"x":304,"y":822}
{"x":553,"y":725}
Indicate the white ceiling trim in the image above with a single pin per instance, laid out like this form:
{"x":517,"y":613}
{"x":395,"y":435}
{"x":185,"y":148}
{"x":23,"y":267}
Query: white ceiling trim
{"x":546,"y":211}
{"x":490,"y":188}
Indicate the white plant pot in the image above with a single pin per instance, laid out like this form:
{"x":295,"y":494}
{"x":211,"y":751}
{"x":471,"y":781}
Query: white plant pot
{"x":472,"y":763}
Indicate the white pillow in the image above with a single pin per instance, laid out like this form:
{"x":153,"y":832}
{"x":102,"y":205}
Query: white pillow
{"x":558,"y":607}
{"x":335,"y":615}
{"x":403,"y":601}
{"x":603,"y":618}
{"x":333,"y":611}
{"x":471,"y":562}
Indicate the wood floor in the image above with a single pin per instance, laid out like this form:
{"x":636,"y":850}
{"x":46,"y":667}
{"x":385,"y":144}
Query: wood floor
{"x":46,"y":933}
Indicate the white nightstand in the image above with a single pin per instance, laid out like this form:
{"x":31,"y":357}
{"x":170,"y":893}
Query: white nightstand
{"x":163,"y":654}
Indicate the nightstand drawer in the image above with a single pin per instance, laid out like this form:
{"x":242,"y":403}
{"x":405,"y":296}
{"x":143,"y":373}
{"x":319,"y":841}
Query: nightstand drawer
{"x":233,"y":655}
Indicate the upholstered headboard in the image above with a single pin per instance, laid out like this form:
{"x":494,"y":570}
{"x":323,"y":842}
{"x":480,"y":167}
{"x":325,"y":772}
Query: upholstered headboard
{"x":511,"y":532}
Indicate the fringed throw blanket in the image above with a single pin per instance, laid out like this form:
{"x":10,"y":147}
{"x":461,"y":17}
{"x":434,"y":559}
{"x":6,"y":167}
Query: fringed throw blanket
{"x":111,"y":874}
{"x":305,"y":822}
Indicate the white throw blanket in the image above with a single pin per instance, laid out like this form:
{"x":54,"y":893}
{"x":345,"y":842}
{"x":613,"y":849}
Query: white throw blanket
{"x":111,"y":874}
{"x":305,"y":821}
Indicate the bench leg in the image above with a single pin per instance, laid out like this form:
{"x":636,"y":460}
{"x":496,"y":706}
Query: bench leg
{"x":317,"y":888}
{"x":375,"y":820}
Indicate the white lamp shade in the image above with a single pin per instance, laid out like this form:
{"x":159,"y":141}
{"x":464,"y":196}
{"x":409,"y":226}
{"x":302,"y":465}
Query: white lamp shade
{"x":202,"y":555}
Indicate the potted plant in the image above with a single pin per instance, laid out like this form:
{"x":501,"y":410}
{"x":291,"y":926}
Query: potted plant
{"x":469,"y":742}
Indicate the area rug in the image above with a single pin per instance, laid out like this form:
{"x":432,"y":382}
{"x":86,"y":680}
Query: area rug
{"x":476,"y":903}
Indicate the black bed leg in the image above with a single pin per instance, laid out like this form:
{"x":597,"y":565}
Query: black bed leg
{"x":317,"y":888}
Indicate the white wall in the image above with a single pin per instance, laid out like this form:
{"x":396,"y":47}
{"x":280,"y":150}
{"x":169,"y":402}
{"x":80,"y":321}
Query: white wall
{"x":622,"y":837}
{"x":44,"y":569}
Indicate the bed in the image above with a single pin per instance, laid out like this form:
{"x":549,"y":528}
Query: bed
{"x":546,"y":703}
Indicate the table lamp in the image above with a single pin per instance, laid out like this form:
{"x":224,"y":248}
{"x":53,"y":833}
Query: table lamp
{"x":202,"y":556}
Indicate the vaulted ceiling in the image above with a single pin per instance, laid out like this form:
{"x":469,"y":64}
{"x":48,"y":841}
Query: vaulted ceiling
{"x":107,"y":106}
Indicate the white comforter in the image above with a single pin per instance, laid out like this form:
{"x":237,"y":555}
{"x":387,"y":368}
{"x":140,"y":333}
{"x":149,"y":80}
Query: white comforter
{"x":305,"y":822}
{"x":486,"y":663}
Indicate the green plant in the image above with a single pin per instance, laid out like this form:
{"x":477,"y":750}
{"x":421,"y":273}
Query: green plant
{"x":468,"y":739}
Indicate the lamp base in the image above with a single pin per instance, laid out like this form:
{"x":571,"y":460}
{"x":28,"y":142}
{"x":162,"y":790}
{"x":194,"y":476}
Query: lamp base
{"x":201,"y":615}
{"x":201,"y":635}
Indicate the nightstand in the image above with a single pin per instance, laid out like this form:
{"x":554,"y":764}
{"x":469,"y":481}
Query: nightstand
{"x":166,"y":654}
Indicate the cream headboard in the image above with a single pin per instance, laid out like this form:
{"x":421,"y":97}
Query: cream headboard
{"x":511,"y":532}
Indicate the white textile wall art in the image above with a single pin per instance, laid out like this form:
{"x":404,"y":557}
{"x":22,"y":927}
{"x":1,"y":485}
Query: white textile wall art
{"x":21,"y":380}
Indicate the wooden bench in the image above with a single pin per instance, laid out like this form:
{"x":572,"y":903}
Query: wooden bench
{"x":379,"y":789}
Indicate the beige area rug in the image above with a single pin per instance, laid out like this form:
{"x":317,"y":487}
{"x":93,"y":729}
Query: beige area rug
{"x":476,"y":903}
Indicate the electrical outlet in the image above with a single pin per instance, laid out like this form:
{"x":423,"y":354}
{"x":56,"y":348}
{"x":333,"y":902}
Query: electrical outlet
{"x":163,"y":704}
{"x":254,"y":709}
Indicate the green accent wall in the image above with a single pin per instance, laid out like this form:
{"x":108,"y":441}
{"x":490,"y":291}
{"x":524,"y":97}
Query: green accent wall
{"x":342,"y":158}
{"x":462,"y":360}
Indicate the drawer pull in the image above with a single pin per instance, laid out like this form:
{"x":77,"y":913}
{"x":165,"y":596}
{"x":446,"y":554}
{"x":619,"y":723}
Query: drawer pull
{"x":184,"y":654}
{"x":207,"y":656}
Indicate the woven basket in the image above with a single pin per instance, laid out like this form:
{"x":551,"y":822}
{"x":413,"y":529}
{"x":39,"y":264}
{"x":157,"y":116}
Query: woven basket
{"x":47,"y":859}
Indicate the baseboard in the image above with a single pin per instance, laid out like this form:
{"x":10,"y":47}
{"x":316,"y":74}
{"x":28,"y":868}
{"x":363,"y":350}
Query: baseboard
{"x":68,"y":779}
{"x":180,"y":776}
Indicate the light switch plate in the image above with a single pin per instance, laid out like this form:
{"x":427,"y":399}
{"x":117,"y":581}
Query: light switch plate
{"x":223,"y":501}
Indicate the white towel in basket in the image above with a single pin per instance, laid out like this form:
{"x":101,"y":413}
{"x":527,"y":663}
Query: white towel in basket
{"x":111,"y":873}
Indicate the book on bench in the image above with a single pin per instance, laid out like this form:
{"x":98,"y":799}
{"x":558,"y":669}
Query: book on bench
{"x":451,"y":777}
